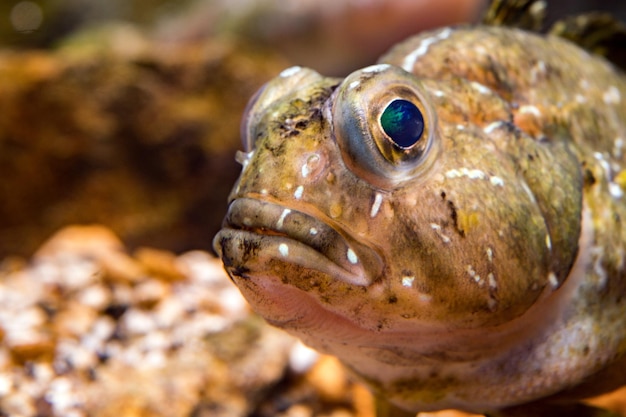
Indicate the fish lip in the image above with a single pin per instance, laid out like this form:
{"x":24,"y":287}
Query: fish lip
{"x":293,"y":237}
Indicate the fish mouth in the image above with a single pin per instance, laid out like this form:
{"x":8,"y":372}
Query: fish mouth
{"x":262,"y":238}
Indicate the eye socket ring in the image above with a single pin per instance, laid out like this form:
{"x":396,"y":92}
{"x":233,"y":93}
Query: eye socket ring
{"x":384,"y":125}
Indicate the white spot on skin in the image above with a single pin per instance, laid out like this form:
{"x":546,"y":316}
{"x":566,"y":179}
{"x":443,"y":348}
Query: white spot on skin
{"x":612,"y":96}
{"x":482,"y":89}
{"x":352,"y":256}
{"x":439,"y":93}
{"x":460,"y":127}
{"x":492,"y":126}
{"x":290,"y":71}
{"x":283,"y":249}
{"x":553,"y":280}
{"x":354,"y":84}
{"x":605,"y":165}
{"x":453,"y":173}
{"x":408,"y":281}
{"x":281,"y":219}
{"x":298,"y":193}
{"x":474,"y":174}
{"x":313,"y":231}
{"x":530,"y":109}
{"x":580,"y":99}
{"x":464,"y":172}
{"x":264,"y":191}
{"x":437,"y":230}
{"x":496,"y":181}
{"x":489,"y":252}
{"x":375,"y":68}
{"x":411,"y":59}
{"x":548,"y":242}
{"x":615,"y":190}
{"x":472,"y":273}
{"x":378,"y":199}
{"x":491,"y":280}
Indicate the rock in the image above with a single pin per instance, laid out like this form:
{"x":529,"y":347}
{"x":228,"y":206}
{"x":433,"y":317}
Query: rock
{"x":160,"y":263}
{"x":147,"y":346}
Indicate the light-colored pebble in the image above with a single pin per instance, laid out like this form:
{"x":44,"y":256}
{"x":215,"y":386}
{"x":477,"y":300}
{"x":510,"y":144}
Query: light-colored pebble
{"x":87,"y":329}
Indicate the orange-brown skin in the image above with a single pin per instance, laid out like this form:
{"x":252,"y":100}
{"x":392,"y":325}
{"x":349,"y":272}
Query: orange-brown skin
{"x":480,"y":269}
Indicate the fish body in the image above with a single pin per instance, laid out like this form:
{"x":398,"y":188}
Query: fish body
{"x":448,"y":222}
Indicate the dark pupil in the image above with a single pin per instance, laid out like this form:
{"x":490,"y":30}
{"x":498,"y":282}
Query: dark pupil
{"x":403,"y":122}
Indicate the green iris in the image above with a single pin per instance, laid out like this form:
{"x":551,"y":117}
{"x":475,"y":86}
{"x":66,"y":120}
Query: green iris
{"x":403,"y":122}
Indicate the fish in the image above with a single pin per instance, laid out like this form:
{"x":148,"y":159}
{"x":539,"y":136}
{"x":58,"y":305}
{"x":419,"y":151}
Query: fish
{"x":448,"y":222}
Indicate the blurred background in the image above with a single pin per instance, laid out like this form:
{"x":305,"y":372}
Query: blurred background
{"x":366,"y":26}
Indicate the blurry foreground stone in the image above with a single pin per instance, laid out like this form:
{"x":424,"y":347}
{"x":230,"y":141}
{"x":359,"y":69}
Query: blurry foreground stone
{"x":87,"y":329}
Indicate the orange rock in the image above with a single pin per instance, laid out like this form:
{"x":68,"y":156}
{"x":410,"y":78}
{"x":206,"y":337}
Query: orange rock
{"x":97,"y":243}
{"x":329,"y":378}
{"x":363,"y":401}
{"x":40,"y":348}
{"x":92,"y":240}
{"x":160,"y":263}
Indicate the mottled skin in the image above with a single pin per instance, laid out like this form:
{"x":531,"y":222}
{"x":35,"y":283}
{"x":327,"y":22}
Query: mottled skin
{"x":483,"y":268}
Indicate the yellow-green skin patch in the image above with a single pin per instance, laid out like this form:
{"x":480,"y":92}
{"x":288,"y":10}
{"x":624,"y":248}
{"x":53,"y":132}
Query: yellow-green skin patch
{"x":480,"y":269}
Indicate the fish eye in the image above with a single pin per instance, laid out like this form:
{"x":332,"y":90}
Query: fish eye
{"x":384,"y":125}
{"x":403,"y":123}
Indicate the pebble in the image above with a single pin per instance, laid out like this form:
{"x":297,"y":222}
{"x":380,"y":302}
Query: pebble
{"x":87,"y":329}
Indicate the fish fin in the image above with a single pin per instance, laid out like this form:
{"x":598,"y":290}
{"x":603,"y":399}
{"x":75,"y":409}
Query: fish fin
{"x":599,"y":33}
{"x":522,"y":14}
